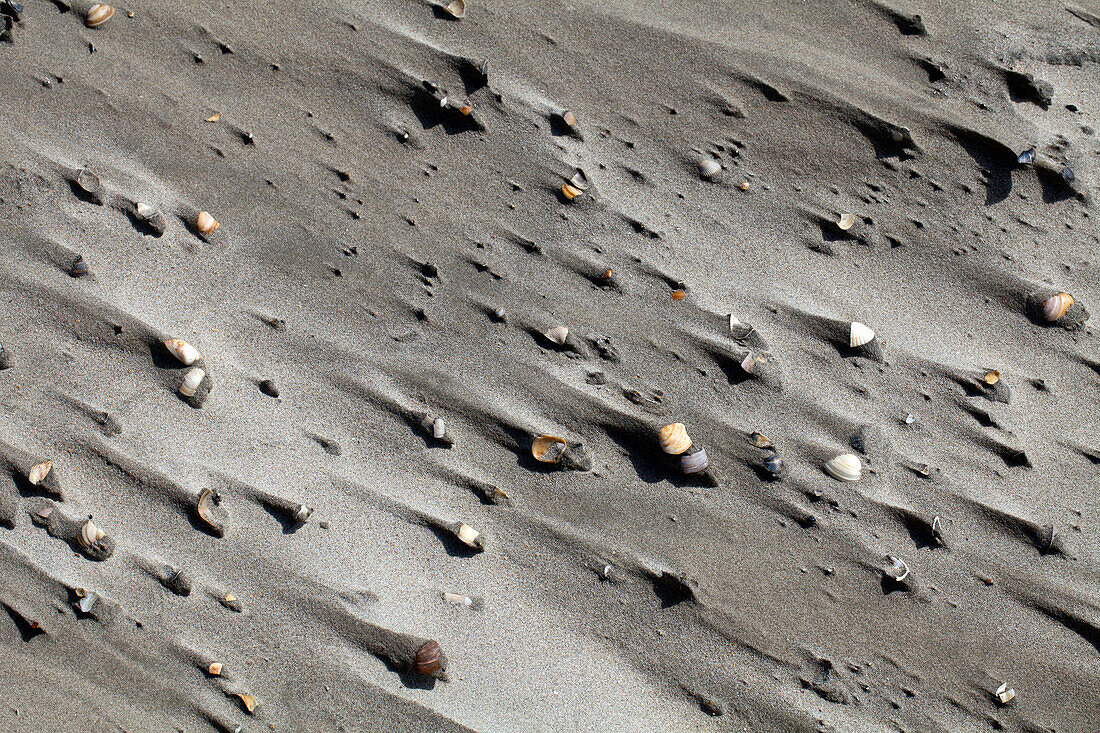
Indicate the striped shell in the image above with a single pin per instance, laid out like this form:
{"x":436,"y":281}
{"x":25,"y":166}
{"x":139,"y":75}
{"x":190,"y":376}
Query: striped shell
{"x":674,"y":439}
{"x":206,"y":224}
{"x":558,"y":334}
{"x":1056,"y":306}
{"x":709,"y":168}
{"x":845,"y":467}
{"x":468,"y":535}
{"x":191,"y":382}
{"x":429,"y":658}
{"x":569,"y":191}
{"x":98,"y":14}
{"x":859,"y":335}
{"x":38,"y":472}
{"x":90,"y":534}
{"x":183,"y":351}
{"x":548,"y":448}
{"x":694,"y":462}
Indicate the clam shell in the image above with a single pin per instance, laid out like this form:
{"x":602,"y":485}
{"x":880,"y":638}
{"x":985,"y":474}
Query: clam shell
{"x":760,"y":440}
{"x":183,"y":351}
{"x":548,"y":448}
{"x":846,"y":222}
{"x":992,"y":377}
{"x":79,"y":267}
{"x":558,"y":334}
{"x":845,"y":467}
{"x":38,"y":472}
{"x":694,"y":462}
{"x":896,"y":568}
{"x":88,"y":181}
{"x":206,"y":224}
{"x":774,"y":465}
{"x":1027,"y":157}
{"x":674,"y":439}
{"x":439,"y":428}
{"x":90,"y":534}
{"x":456,"y":9}
{"x":429,"y":658}
{"x":248,"y":701}
{"x":1056,"y":306}
{"x":570,"y":191}
{"x":98,"y":14}
{"x":709,"y":168}
{"x":579,"y":180}
{"x":859,"y":334}
{"x":468,"y":535}
{"x":1005,"y":693}
{"x":191,"y":382}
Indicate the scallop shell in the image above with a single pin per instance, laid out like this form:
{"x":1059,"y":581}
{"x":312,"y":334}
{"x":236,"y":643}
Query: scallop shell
{"x":846,"y":222}
{"x":896,"y":568}
{"x":38,"y":472}
{"x":456,"y":9}
{"x":191,"y":382}
{"x":859,"y":334}
{"x":90,"y":534}
{"x":548,"y":448}
{"x":215,"y":668}
{"x":1056,"y":306}
{"x":183,"y":351}
{"x":98,"y":14}
{"x":206,"y":224}
{"x":428,"y":659}
{"x":570,"y":191}
{"x":468,"y":535}
{"x":845,"y":467}
{"x":674,"y":439}
{"x":709,"y":168}
{"x":558,"y":334}
{"x":694,"y":462}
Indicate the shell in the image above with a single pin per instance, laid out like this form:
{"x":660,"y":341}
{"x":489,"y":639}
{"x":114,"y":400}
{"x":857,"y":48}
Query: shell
{"x":88,"y":181}
{"x":248,"y":701}
{"x":90,"y":534}
{"x":468,"y":535}
{"x":302,"y":513}
{"x":1027,"y":157}
{"x":428,"y":659}
{"x":674,"y":439}
{"x":215,"y":668}
{"x":1005,"y":693}
{"x":774,"y":465}
{"x":760,"y":440}
{"x":694,"y":462}
{"x":98,"y":14}
{"x":79,"y":267}
{"x":1056,"y":306}
{"x":845,"y":467}
{"x":1068,"y":175}
{"x":570,"y":191}
{"x":744,"y":185}
{"x":579,"y":180}
{"x":558,"y":334}
{"x":191,"y":382}
{"x":38,"y":472}
{"x":458,"y":599}
{"x":145,"y":211}
{"x":548,"y":448}
{"x":896,"y":568}
{"x":568,"y":118}
{"x":87,"y":600}
{"x":859,"y":334}
{"x":439,"y":428}
{"x":203,"y":507}
{"x":751,"y":360}
{"x":679,"y":294}
{"x":183,"y":351}
{"x":847,"y":221}
{"x":992,"y":377}
{"x":206,"y":224}
{"x":456,"y":9}
{"x":709,"y":168}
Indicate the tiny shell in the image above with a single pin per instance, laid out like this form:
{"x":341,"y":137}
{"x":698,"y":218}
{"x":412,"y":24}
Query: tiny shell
{"x":248,"y":701}
{"x":1068,"y":175}
{"x":215,"y":668}
{"x":992,"y":377}
{"x":79,"y":267}
{"x":845,"y":467}
{"x":558,"y":334}
{"x":674,"y":439}
{"x":896,"y":568}
{"x":1027,"y":157}
{"x":694,"y":462}
{"x":98,"y":14}
{"x":1056,"y":306}
{"x":183,"y":351}
{"x":709,"y":168}
{"x":570,"y":191}
{"x":859,"y":334}
{"x":1005,"y":693}
{"x":468,"y":535}
{"x":191,"y":382}
{"x":678,"y":294}
{"x":458,"y":599}
{"x":439,"y":428}
{"x":579,"y":180}
{"x":456,"y":9}
{"x":88,"y":181}
{"x":206,"y":224}
{"x":302,"y":513}
{"x":203,"y":506}
{"x":568,"y":118}
{"x":146,"y":211}
{"x":90,"y":534}
{"x":548,"y":448}
{"x":87,"y":601}
{"x":774,"y":465}
{"x":847,"y":221}
{"x":760,"y":440}
{"x":38,"y":472}
{"x":428,"y":658}
{"x":744,"y":186}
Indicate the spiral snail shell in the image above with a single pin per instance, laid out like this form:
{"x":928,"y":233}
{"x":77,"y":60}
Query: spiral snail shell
{"x":183,"y":351}
{"x":191,"y":381}
{"x":98,"y":14}
{"x":206,"y":224}
{"x":845,"y":467}
{"x":39,"y":472}
{"x":90,"y":534}
{"x":674,"y":439}
{"x":428,"y":658}
{"x":1056,"y":306}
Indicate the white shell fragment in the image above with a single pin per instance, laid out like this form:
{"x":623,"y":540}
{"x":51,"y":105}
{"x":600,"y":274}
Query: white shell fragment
{"x":183,"y":351}
{"x":1005,"y":693}
{"x":191,"y":382}
{"x":38,"y":472}
{"x":302,"y":513}
{"x":90,"y":534}
{"x":845,"y":467}
{"x":458,"y":599}
{"x":439,"y":428}
{"x":558,"y":334}
{"x":709,"y":168}
{"x":468,"y":535}
{"x":87,"y":601}
{"x":859,"y":334}
{"x":847,"y":221}
{"x":897,"y":568}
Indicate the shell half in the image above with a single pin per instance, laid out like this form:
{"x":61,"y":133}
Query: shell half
{"x":846,"y":222}
{"x":709,"y":168}
{"x":468,"y":535}
{"x":845,"y":467}
{"x":1056,"y":306}
{"x":558,"y":334}
{"x":183,"y":351}
{"x":569,"y":191}
{"x":859,"y":334}
{"x":548,"y":448}
{"x":98,"y":14}
{"x":38,"y":472}
{"x":191,"y":382}
{"x":206,"y":224}
{"x":674,"y":439}
{"x":694,"y":462}
{"x":456,"y":9}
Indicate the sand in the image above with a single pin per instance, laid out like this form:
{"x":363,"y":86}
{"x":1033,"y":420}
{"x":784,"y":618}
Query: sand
{"x":386,"y":259}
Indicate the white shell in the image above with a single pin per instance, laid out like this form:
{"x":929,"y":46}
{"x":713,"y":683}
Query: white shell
{"x":183,"y":351}
{"x":468,"y":534}
{"x":859,"y":335}
{"x":847,"y":221}
{"x":845,"y":467}
{"x":458,"y":599}
{"x":709,"y":168}
{"x":87,"y":602}
{"x":191,"y":382}
{"x":558,"y":334}
{"x":90,"y":534}
{"x":206,"y":224}
{"x":302,"y":513}
{"x":1005,"y":693}
{"x":146,"y":211}
{"x":38,"y":472}
{"x":439,"y":428}
{"x":897,"y":569}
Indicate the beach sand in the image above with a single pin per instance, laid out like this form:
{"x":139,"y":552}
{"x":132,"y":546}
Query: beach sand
{"x":395,"y":246}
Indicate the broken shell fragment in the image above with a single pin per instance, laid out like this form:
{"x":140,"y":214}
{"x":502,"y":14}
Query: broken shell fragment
{"x":751,"y":361}
{"x":694,"y":462}
{"x":206,"y":224}
{"x":845,"y":467}
{"x":98,"y":14}
{"x":548,"y":448}
{"x":859,"y":334}
{"x":1068,"y":175}
{"x":205,"y":507}
{"x":679,"y":294}
{"x":428,"y":659}
{"x":469,"y":536}
{"x":87,"y":600}
{"x":568,"y":118}
{"x":248,"y":701}
{"x":774,"y":465}
{"x":674,"y":439}
{"x":439,"y":428}
{"x":79,"y":267}
{"x":569,"y":191}
{"x":991,"y":378}
{"x":896,"y":568}
{"x":1027,"y":157}
{"x":1056,"y":306}
{"x":38,"y":472}
{"x":88,"y":181}
{"x":846,"y":222}
{"x":579,"y":180}
{"x":215,"y":669}
{"x":458,"y":599}
{"x":456,"y":9}
{"x":302,"y":513}
{"x":183,"y":351}
{"x":90,"y":534}
{"x":191,"y":382}
{"x":558,"y":334}
{"x":709,"y":168}
{"x":1004,"y":694}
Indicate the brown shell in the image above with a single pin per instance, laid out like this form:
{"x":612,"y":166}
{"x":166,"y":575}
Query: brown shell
{"x":992,"y":377}
{"x":548,"y":448}
{"x":428,"y":658}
